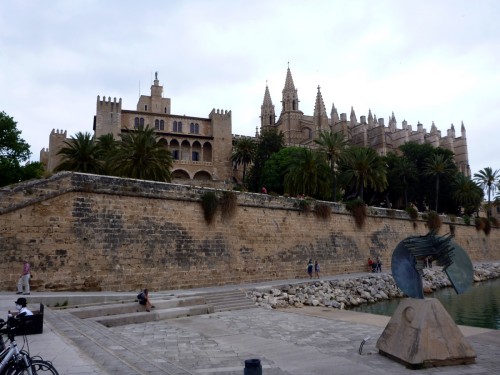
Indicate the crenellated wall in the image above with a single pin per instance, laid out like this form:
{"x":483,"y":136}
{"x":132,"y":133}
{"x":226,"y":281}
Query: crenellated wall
{"x":88,"y":232}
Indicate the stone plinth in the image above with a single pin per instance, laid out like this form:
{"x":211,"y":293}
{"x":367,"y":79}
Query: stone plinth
{"x":422,"y":334}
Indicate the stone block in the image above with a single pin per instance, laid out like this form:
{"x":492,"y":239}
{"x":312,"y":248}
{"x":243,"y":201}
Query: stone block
{"x":422,"y":334}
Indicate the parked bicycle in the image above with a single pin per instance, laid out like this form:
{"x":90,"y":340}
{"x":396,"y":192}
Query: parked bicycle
{"x":18,"y":362}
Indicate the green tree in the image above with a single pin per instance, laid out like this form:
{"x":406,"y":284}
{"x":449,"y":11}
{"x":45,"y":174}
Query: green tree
{"x":275,"y":169}
{"x":309,"y":175}
{"x":243,"y":153}
{"x":361,"y":168}
{"x":488,"y":180}
{"x":80,"y":154}
{"x":140,"y":156}
{"x":106,"y":146}
{"x":467,"y":193}
{"x":401,"y":175}
{"x":269,"y":142}
{"x":13,"y":152}
{"x":436,"y":166}
{"x":332,"y":144}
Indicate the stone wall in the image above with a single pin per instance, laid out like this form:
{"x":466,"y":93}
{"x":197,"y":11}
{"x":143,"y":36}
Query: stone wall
{"x":87,"y":232}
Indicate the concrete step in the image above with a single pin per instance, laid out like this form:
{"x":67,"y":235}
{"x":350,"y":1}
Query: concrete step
{"x":153,"y":315}
{"x":132,"y":307}
{"x":228,"y":300}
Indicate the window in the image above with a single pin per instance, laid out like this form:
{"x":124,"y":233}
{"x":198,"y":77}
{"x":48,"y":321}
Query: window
{"x":138,"y":123}
{"x":174,"y":126}
{"x":195,"y":156}
{"x":194,"y":128}
{"x":165,"y":110}
{"x":179,"y":127}
{"x":175,"y":154}
{"x":157,"y":124}
{"x":146,"y":107}
{"x":162,"y":125}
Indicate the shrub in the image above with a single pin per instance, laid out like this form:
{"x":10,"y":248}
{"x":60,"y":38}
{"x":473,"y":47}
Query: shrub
{"x":209,"y":202}
{"x":466,"y":219}
{"x":412,"y":212}
{"x":323,"y":211}
{"x":305,"y":205}
{"x":487,"y":226}
{"x":358,"y":209}
{"x":228,"y":203}
{"x":479,"y":224}
{"x":433,"y":221}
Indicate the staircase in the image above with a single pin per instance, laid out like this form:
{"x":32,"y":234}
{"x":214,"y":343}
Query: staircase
{"x":227,"y":300}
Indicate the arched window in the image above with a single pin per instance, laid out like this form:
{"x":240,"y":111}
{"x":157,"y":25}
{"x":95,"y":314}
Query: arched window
{"x":174,"y":126}
{"x":191,"y":127}
{"x":162,"y":125}
{"x":146,"y":107}
{"x":196,"y":128}
{"x":157,"y":124}
{"x":141,"y":121}
{"x":179,"y":127}
{"x":195,"y":156}
{"x":136,"y":123}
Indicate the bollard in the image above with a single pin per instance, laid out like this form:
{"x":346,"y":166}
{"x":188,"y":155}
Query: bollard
{"x":252,"y":367}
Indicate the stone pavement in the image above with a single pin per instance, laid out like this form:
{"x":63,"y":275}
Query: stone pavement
{"x":311,"y":340}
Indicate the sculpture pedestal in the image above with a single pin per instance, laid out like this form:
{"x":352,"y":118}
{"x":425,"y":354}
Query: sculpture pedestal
{"x":422,"y":334}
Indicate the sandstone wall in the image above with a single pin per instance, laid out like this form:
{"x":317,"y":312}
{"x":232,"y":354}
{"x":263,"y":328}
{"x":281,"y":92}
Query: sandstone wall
{"x":87,"y":232}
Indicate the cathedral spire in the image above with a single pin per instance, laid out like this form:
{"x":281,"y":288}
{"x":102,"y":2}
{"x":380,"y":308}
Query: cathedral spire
{"x":267,"y":113}
{"x":290,"y":99}
{"x":320,"y":118}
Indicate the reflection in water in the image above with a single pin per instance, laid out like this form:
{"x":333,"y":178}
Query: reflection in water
{"x":478,"y":307}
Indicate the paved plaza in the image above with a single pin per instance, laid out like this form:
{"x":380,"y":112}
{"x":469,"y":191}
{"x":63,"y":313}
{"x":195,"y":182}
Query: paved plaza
{"x":310,"y":340}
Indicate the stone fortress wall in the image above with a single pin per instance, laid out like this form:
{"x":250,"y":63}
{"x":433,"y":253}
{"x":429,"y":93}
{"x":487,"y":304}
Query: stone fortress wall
{"x":89,"y":232}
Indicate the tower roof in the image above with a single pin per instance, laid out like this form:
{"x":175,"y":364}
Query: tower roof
{"x":267,"y":98}
{"x":319,"y":106}
{"x":289,"y":85}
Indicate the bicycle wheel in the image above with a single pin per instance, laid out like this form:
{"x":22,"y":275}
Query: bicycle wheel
{"x":38,"y":367}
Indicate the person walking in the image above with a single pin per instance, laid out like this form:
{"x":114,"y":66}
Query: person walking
{"x":24,"y":279}
{"x":379,"y":265}
{"x":316,"y":269}
{"x":310,"y":268}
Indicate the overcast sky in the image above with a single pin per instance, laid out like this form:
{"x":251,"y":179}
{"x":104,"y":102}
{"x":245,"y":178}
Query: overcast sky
{"x":423,"y":60}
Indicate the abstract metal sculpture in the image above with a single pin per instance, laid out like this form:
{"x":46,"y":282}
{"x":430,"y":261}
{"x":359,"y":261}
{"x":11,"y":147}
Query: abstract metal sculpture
{"x":409,"y":259}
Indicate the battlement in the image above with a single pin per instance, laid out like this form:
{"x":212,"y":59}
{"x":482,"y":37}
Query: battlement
{"x":114,"y":105}
{"x":59,"y":133}
{"x":220,"y":113}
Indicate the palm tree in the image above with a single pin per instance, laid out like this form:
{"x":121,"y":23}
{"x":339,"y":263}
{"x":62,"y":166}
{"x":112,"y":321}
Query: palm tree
{"x":406,"y":173}
{"x":488,"y":179}
{"x":438,"y":165}
{"x":243,"y":153}
{"x":106,"y":147}
{"x":80,"y":155}
{"x":362,"y":167}
{"x":309,"y":175}
{"x":467,"y":193}
{"x":332,"y":144}
{"x":139,"y":155}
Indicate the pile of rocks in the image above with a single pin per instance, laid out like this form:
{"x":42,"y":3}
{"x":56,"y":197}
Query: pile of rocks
{"x":354,"y":291}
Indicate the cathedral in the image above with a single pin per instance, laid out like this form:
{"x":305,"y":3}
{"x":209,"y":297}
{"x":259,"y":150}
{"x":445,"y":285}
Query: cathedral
{"x":201,"y":147}
{"x":301,"y":130}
